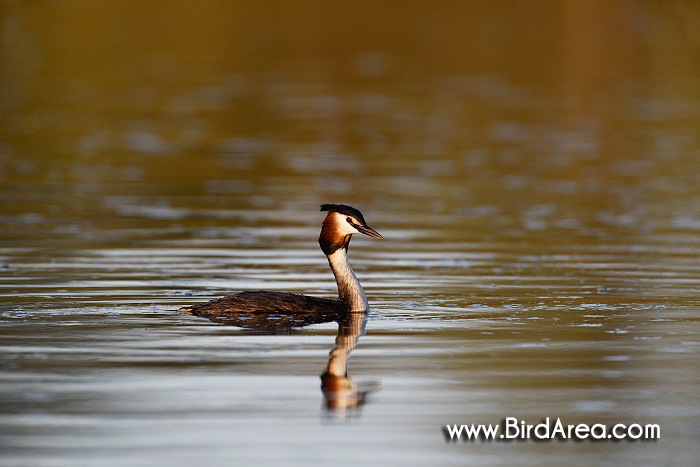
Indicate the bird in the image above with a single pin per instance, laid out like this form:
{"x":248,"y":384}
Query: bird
{"x":253,"y":309}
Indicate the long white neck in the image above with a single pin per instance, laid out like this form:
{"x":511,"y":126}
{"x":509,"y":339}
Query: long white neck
{"x":350,"y":291}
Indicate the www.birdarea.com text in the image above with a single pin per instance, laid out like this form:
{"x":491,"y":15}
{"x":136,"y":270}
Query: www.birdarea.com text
{"x":513,"y":429}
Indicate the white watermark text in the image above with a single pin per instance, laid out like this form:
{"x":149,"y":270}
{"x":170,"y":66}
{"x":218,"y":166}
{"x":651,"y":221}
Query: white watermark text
{"x":512,"y":429}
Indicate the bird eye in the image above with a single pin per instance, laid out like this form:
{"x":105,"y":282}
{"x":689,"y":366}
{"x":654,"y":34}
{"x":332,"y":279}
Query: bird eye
{"x":349,"y":219}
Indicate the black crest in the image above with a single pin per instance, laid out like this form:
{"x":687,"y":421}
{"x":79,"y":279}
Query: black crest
{"x":345,"y":210}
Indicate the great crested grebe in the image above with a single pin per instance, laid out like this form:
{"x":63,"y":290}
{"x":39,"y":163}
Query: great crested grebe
{"x":340,"y":223}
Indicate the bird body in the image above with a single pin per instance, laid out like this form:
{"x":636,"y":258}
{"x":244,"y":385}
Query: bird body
{"x":338,"y":226}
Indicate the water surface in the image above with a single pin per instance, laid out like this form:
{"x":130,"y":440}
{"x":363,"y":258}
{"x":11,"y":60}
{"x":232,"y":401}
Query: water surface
{"x":540,"y":215}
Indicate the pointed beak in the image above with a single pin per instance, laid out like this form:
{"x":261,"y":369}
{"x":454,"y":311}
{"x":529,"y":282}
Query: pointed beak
{"x":367,"y":230}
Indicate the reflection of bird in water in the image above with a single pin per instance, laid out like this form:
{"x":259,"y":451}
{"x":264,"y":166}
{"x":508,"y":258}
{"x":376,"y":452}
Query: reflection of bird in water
{"x":254,"y":309}
{"x":343,"y":395}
